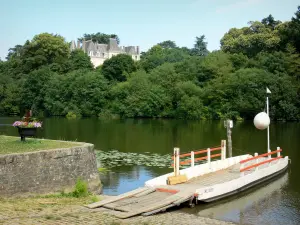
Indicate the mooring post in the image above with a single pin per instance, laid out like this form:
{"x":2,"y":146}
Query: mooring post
{"x":176,"y":161}
{"x":192,"y":159}
{"x":223,"y":149}
{"x":229,"y":124}
{"x":278,"y":153}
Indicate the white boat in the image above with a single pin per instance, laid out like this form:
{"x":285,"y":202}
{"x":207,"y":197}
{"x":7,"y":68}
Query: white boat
{"x":206,"y":182}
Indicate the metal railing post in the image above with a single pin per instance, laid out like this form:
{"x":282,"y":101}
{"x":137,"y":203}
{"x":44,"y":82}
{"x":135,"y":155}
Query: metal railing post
{"x":192,"y":159}
{"x":208,"y":157}
{"x":278,"y":153}
{"x":256,"y":161}
{"x":177,"y":161}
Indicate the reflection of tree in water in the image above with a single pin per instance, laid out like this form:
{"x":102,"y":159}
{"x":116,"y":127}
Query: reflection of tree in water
{"x":112,"y":178}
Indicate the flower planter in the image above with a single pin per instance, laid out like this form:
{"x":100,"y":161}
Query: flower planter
{"x":27,"y":132}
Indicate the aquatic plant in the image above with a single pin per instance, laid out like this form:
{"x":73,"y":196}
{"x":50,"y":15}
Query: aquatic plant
{"x":114,"y":158}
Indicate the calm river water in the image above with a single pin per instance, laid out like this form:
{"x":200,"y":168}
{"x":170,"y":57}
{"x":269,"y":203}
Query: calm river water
{"x":276,"y":202}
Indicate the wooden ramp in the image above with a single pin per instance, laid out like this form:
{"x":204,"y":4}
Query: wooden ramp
{"x":144,"y":201}
{"x":147,"y":200}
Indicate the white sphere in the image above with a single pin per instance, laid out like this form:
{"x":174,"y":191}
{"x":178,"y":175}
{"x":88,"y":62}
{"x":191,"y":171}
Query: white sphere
{"x":261,"y":121}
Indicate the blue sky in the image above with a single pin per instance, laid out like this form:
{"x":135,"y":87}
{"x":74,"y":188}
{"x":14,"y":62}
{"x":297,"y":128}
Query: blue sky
{"x":137,"y":22}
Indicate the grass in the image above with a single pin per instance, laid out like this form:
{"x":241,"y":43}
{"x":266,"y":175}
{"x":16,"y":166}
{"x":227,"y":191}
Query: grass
{"x":47,"y":204}
{"x":9,"y":144}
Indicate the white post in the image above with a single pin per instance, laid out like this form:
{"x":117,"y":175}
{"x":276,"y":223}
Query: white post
{"x":192,"y":159}
{"x":278,"y":153}
{"x":208,"y":157}
{"x":223,"y":149}
{"x":256,"y":161}
{"x":269,"y":150}
{"x":175,"y":157}
{"x":177,"y":161}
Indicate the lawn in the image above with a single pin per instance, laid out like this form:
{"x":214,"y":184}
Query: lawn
{"x":9,"y":144}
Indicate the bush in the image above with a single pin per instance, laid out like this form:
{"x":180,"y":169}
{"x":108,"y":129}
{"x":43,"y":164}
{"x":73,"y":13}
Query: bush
{"x":81,"y":189}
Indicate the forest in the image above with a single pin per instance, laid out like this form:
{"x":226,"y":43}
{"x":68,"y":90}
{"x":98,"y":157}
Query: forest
{"x":168,"y":82}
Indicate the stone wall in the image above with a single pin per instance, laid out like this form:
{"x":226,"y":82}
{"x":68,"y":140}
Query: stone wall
{"x":48,"y":171}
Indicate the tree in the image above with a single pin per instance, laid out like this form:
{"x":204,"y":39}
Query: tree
{"x":80,"y":60}
{"x":81,"y":92}
{"x":270,"y":22}
{"x":15,"y":52}
{"x":100,"y":37}
{"x":216,"y":64}
{"x":291,"y":32}
{"x":44,"y":49}
{"x":139,"y":97}
{"x":117,"y":67}
{"x":157,"y":55}
{"x":251,"y":40}
{"x":243,"y":94}
{"x":167,"y":44}
{"x":200,"y":47}
{"x":34,"y":89}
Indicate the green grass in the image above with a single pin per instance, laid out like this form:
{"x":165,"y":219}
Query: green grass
{"x":10,"y":145}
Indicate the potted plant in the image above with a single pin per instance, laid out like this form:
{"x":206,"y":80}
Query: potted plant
{"x":27,"y":127}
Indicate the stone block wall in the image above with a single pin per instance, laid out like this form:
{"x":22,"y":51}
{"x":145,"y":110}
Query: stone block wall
{"x":49,"y":171}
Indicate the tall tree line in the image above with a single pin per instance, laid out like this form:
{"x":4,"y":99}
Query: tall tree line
{"x":168,"y":82}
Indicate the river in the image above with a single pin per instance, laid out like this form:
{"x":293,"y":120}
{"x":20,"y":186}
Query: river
{"x":276,"y":202}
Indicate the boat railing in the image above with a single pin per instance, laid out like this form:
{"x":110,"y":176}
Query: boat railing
{"x":176,"y":157}
{"x":258,"y":163}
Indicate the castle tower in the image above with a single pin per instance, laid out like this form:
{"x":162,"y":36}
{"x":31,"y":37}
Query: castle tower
{"x":73,"y":46}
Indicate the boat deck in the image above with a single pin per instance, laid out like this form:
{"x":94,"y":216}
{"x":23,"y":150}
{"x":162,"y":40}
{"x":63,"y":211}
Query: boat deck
{"x":149,"y":200}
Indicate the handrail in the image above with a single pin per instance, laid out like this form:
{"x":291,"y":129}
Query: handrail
{"x":259,"y":156}
{"x":258,"y":164}
{"x":176,"y":156}
{"x":199,"y":152}
{"x":198,"y":159}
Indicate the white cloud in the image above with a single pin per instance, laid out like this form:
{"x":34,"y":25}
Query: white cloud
{"x":237,"y":5}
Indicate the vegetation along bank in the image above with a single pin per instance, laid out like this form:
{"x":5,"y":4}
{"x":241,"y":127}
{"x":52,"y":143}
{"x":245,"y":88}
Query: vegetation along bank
{"x":168,"y":82}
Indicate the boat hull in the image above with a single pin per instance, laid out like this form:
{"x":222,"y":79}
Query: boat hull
{"x":243,"y":182}
{"x":248,"y":186}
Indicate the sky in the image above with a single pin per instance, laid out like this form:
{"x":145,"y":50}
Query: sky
{"x":137,"y":22}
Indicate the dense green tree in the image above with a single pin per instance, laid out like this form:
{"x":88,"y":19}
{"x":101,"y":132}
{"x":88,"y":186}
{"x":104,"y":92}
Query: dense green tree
{"x":34,"y":89}
{"x":80,"y":60}
{"x":251,"y":40}
{"x":100,"y":37}
{"x":167,"y":44}
{"x":82,"y":92}
{"x":291,"y":31}
{"x":158,"y":55}
{"x":139,"y":97}
{"x":118,"y":67}
{"x":242,"y":94}
{"x":15,"y":52}
{"x":200,"y":47}
{"x":44,"y":49}
{"x":270,"y":22}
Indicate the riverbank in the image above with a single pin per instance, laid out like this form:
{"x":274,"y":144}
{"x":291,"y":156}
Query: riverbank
{"x":70,"y":210}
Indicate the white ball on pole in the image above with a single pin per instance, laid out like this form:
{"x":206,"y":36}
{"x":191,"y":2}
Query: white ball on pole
{"x":261,"y":121}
